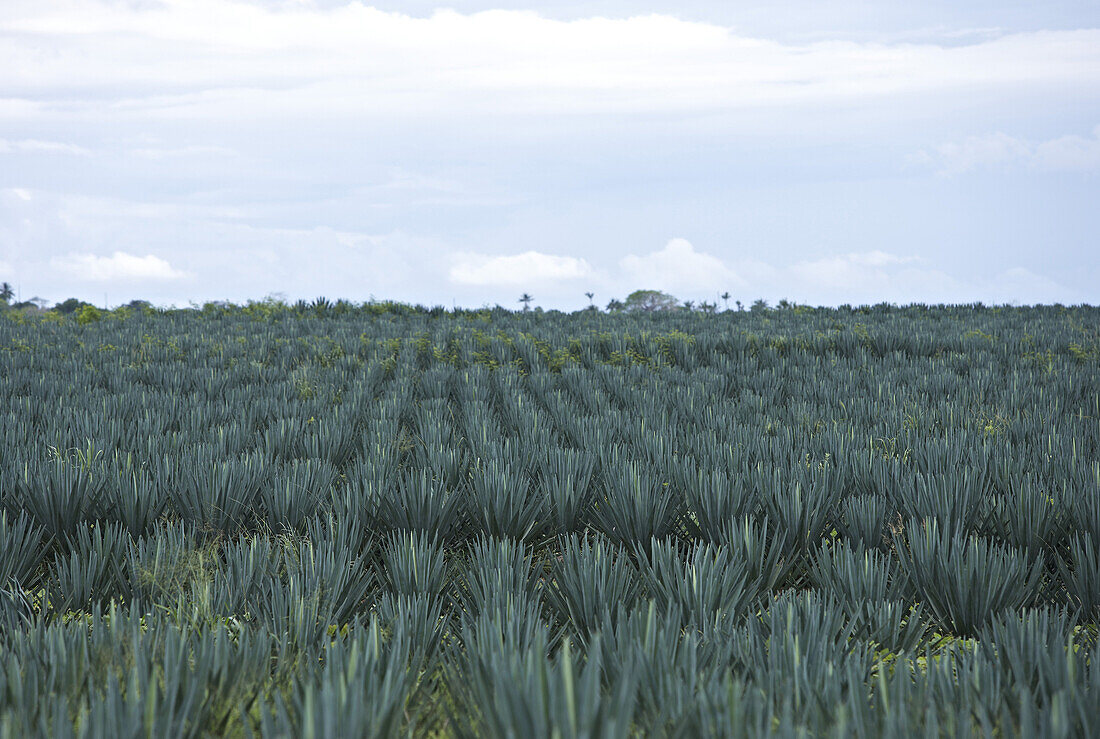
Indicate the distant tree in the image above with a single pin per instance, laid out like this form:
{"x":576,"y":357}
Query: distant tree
{"x":689,"y":304}
{"x":34,"y":304}
{"x":784,"y":304}
{"x":726,"y":299}
{"x":70,"y":306}
{"x":650,"y":300}
{"x":526,"y":300}
{"x":590,"y":296}
{"x":739,"y":306}
{"x":708,"y":308}
{"x":615,"y":305}
{"x":6,"y":293}
{"x":759,"y":305}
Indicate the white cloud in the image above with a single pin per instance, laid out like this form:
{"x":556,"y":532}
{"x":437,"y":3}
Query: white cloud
{"x":1022,"y":285}
{"x":119,"y":266}
{"x":878,"y":258}
{"x":1000,"y":151}
{"x":193,"y":151}
{"x":21,"y":193}
{"x":7,"y":146}
{"x":517,"y":269}
{"x":856,"y":278}
{"x":679,"y":266}
{"x":1069,"y":152}
{"x":225,"y":58}
{"x":848,"y":271}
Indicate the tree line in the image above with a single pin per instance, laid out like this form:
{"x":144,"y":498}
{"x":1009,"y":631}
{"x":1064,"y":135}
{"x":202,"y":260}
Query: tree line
{"x":644,"y":301}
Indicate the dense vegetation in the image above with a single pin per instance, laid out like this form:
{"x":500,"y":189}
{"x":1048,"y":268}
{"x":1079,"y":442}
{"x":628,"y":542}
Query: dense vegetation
{"x":339,"y":521}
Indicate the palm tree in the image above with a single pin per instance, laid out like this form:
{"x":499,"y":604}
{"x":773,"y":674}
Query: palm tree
{"x":590,"y":296}
{"x":726,"y":299}
{"x":739,"y":306}
{"x":526,"y":300}
{"x":6,"y":293}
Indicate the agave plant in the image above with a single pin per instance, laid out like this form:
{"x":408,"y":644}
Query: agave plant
{"x":705,"y":584}
{"x":565,"y":476}
{"x":590,"y":580}
{"x":670,"y":664}
{"x":767,"y":561}
{"x":294,"y":494}
{"x":92,"y":570}
{"x":853,"y":576}
{"x":60,"y":496}
{"x":332,"y":439}
{"x":522,"y":693}
{"x":162,"y":565}
{"x":135,"y":499}
{"x":498,"y":567}
{"x":951,"y":500}
{"x":219,"y":496}
{"x":862,"y":520}
{"x":394,"y":520}
{"x":801,"y":648}
{"x":413,"y":563}
{"x":502,"y":504}
{"x":424,"y":620}
{"x":16,"y":611}
{"x":964,"y":580}
{"x":801,"y":509}
{"x":244,"y":565}
{"x":362,"y":690}
{"x":1028,"y":518}
{"x":422,"y":503}
{"x":636,"y":509}
{"x":1081,"y":575}
{"x":1035,"y":648}
{"x":713,"y":500}
{"x":20,"y":551}
{"x":342,"y":582}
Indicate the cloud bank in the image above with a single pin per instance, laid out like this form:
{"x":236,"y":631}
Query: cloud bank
{"x":257,"y":59}
{"x":678,"y":268}
{"x":528,"y":268}
{"x":120,"y":266}
{"x":36,"y":146}
{"x":999,"y":151}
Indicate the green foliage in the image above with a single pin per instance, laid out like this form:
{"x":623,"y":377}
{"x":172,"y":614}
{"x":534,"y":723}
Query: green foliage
{"x":650,"y":300}
{"x":72,"y":305}
{"x":88,"y":314}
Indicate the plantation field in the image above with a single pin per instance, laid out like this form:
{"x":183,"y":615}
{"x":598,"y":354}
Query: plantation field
{"x":333,"y":520}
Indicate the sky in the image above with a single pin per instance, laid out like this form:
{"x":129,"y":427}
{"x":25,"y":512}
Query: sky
{"x":464,"y":153}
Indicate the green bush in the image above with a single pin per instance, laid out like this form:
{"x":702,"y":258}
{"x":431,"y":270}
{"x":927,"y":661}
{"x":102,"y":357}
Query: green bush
{"x":88,"y":314}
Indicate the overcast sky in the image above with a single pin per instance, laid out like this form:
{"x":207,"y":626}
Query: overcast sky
{"x":824,"y":152}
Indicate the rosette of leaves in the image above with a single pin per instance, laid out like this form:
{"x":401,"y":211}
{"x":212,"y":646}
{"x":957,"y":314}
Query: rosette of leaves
{"x":964,"y":580}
